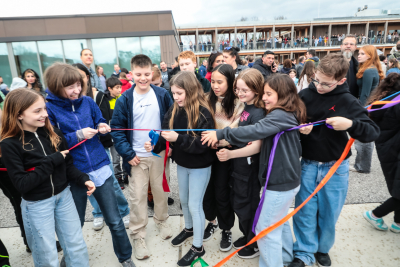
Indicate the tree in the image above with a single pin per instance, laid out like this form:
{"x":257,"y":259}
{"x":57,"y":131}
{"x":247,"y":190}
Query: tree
{"x":243,"y":19}
{"x":280,"y":18}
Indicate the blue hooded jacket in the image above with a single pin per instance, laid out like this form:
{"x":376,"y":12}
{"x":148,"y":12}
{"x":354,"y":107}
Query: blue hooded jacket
{"x":123,"y":119}
{"x":73,"y":115}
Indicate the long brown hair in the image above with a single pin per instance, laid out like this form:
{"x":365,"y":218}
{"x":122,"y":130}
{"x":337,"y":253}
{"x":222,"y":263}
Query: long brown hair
{"x":373,"y":61}
{"x":36,"y":85}
{"x":60,"y":75}
{"x":122,"y":76}
{"x":395,"y":63}
{"x":255,"y":81}
{"x":288,"y":98}
{"x":194,"y":98}
{"x":16,"y":102}
{"x":309,"y":70}
{"x":390,"y":84}
{"x":97,"y":71}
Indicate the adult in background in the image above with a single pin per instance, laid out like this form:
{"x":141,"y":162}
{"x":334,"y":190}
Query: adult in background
{"x":287,"y":66}
{"x":175,"y":70}
{"x":294,"y":62}
{"x":300,"y":66}
{"x":215,"y":59}
{"x":348,"y":46}
{"x":231,"y":57}
{"x":266,"y":64}
{"x":3,"y":87}
{"x":164,"y":75}
{"x":251,"y":61}
{"x":102,"y":76}
{"x":203,"y":68}
{"x":33,"y":81}
{"x":311,"y":56}
{"x":117,"y":71}
{"x":87,"y":60}
{"x":368,"y":77}
{"x":396,"y":54}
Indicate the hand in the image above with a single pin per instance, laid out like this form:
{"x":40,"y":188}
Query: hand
{"x":170,"y":152}
{"x":148,"y":146}
{"x":88,"y":132}
{"x":104,"y":128}
{"x":274,"y":68}
{"x":209,"y":137}
{"x":249,"y":143}
{"x":64,"y":153}
{"x":339,"y":123}
{"x":135,"y":161}
{"x":224,"y":155}
{"x":306,"y":129}
{"x":170,"y":136}
{"x":91,"y":187}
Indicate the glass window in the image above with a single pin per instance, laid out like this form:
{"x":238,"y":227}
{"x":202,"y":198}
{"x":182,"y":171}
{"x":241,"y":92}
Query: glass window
{"x":5,"y":71}
{"x":72,"y":50}
{"x":26,"y":57}
{"x":127,"y":49}
{"x":50,"y":52}
{"x":151,"y":48}
{"x":104,"y":53}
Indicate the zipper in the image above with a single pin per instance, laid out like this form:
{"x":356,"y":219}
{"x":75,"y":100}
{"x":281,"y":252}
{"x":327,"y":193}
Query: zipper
{"x":51,"y":176}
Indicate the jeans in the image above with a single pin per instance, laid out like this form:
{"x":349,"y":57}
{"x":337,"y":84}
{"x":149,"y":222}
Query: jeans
{"x":276,"y":248}
{"x":122,"y":203}
{"x":192,"y":187}
{"x":364,"y":156}
{"x":116,"y":161}
{"x":314,"y":224}
{"x":42,"y":218}
{"x":105,"y":196}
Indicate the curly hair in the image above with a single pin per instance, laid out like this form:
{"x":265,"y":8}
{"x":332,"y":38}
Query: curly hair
{"x":390,"y":84}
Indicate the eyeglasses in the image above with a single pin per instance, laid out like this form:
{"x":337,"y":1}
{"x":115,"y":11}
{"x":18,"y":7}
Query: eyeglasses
{"x":237,"y":91}
{"x":324,"y":86}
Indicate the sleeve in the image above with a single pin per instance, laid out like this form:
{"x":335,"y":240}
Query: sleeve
{"x":96,"y":114}
{"x":168,"y":101}
{"x":25,"y":181}
{"x":97,"y":83}
{"x":72,"y":138}
{"x":161,"y":143}
{"x":366,"y":87}
{"x":363,"y":128}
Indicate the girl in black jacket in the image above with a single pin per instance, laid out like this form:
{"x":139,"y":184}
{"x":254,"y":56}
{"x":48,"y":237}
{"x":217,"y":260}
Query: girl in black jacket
{"x":388,"y":149}
{"x":29,"y":141}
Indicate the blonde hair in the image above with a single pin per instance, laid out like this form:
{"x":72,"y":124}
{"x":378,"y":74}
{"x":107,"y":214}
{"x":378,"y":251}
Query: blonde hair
{"x":156,"y":73}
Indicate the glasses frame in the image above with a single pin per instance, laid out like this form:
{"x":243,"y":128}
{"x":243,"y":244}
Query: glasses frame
{"x":323,"y":86}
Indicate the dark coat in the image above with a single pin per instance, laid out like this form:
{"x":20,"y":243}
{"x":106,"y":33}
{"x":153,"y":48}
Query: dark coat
{"x":264,"y":69}
{"x":102,"y":101}
{"x":352,"y":79}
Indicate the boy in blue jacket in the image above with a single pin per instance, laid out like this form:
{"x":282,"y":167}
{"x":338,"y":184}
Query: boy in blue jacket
{"x":142,"y":107}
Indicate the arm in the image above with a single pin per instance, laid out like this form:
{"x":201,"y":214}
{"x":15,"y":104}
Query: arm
{"x":366,"y":87}
{"x":72,"y":138}
{"x":225,"y":154}
{"x":234,"y":124}
{"x":363,"y":128}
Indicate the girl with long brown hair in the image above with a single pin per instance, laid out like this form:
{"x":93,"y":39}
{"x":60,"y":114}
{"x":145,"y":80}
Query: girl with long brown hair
{"x":28,"y":140}
{"x":306,"y":75}
{"x":190,"y":111}
{"x":33,"y":81}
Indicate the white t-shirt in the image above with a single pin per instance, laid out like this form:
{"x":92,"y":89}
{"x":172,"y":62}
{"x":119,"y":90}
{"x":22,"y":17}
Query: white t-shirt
{"x":146,"y":115}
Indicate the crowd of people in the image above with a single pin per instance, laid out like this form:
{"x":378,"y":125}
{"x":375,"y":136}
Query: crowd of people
{"x":66,"y":143}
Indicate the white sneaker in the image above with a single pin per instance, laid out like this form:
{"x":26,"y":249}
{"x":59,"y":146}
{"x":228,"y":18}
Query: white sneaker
{"x":98,"y":223}
{"x":126,"y":221}
{"x":165,"y":230}
{"x":141,"y":251}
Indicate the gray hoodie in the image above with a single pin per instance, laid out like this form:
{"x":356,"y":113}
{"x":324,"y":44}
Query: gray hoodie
{"x":286,"y":169}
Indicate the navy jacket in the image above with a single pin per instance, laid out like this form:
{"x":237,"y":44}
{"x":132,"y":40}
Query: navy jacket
{"x":203,"y":70}
{"x":123,"y":119}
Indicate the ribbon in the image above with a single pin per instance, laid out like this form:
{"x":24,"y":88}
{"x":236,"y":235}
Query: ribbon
{"x":154,"y":139}
{"x":202,"y":262}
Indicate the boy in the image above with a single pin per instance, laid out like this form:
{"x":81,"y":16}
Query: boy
{"x":157,"y":79}
{"x":142,"y":107}
{"x":187,"y":62}
{"x":328,"y":96}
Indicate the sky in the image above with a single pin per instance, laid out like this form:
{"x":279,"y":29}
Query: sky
{"x":197,"y":12}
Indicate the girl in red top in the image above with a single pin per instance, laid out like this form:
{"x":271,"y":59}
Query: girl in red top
{"x":126,"y":83}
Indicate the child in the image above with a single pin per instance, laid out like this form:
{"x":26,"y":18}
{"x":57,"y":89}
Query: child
{"x":249,"y":86}
{"x":126,"y":83}
{"x":190,"y":111}
{"x":187,"y":62}
{"x":217,"y":199}
{"x":79,"y":118}
{"x":157,"y":79}
{"x":285,"y":110}
{"x":292,"y":74}
{"x":328,"y":96}
{"x":142,"y":107}
{"x":29,"y":141}
{"x":388,"y":149}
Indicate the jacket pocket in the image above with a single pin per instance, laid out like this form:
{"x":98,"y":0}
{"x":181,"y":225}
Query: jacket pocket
{"x":240,"y":184}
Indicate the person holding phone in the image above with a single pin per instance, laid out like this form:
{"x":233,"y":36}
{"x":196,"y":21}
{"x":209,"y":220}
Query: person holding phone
{"x":266,"y":64}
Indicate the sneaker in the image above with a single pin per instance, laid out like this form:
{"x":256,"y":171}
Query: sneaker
{"x":128,"y":263}
{"x":323,"y":259}
{"x":28,"y":249}
{"x":150,"y":203}
{"x":126,"y":221}
{"x":141,"y":251}
{"x":98,"y":223}
{"x":351,"y":168}
{"x":377,"y":223}
{"x":297,"y":263}
{"x":165,"y":230}
{"x":191,"y":256}
{"x":170,"y":201}
{"x":248,"y":253}
{"x":126,"y":179}
{"x":121,"y":183}
{"x":179,"y":239}
{"x":395,"y":228}
{"x":241,"y":242}
{"x":209,"y":231}
{"x":226,"y":241}
{"x":59,"y":248}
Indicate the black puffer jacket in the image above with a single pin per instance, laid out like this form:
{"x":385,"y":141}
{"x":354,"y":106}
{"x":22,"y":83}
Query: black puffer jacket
{"x":264,"y":69}
{"x":102,"y":101}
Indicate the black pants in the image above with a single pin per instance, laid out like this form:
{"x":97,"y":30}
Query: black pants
{"x":217,"y":201}
{"x":390,"y":205}
{"x":4,"y":260}
{"x":245,"y":194}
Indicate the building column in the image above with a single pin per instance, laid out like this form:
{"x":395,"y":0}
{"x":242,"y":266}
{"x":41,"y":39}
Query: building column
{"x":366,"y":32}
{"x":386,"y":29}
{"x":291,"y":38}
{"x":254,"y":37}
{"x":310,"y":40}
{"x":11,"y":61}
{"x":216,"y":38}
{"x":236,"y":44}
{"x":196,"y":40}
{"x":273,"y":37}
{"x":306,"y":31}
{"x":329,"y":34}
{"x":291,"y":54}
{"x":348,"y":28}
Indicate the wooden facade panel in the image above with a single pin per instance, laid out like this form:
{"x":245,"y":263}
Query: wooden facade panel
{"x":65,"y":26}
{"x":21,"y":27}
{"x":169,"y":49}
{"x":2,"y":29}
{"x":140,"y":23}
{"x":165,"y":22}
{"x":103,"y":24}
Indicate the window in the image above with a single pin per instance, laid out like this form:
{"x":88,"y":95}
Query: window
{"x":127,"y":49}
{"x":72,"y":50}
{"x":5,"y":71}
{"x":104,"y":53}
{"x":50,"y":52}
{"x":26,"y":57}
{"x":151,"y":48}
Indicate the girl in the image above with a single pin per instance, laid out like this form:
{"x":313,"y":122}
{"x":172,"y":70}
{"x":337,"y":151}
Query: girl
{"x":215,"y":59}
{"x":394,"y":66}
{"x":29,"y":141}
{"x":388,"y":149}
{"x":102,"y":77}
{"x":33,"y":81}
{"x":79,"y":118}
{"x":306,"y":75}
{"x":246,"y":186}
{"x":190,"y":111}
{"x":227,"y":109}
{"x":88,"y":90}
{"x":287,"y":66}
{"x":284,"y":111}
{"x":231,"y":57}
{"x":368,"y":77}
{"x":292,"y":75}
{"x":126,"y":83}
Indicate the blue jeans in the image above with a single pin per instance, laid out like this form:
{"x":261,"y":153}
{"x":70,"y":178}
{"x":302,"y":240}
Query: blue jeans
{"x":123,"y":205}
{"x":314,"y":224}
{"x":276,"y":248}
{"x":57,"y":213}
{"x":192,"y":187}
{"x":105,"y":196}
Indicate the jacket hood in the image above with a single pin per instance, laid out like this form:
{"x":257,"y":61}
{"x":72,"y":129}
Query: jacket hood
{"x":17,"y":83}
{"x":124,"y":82}
{"x":316,"y":59}
{"x":261,"y":64}
{"x":63,"y":102}
{"x":340,"y":89}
